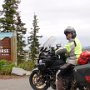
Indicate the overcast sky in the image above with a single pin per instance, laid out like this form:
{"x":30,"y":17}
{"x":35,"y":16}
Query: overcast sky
{"x":55,"y":15}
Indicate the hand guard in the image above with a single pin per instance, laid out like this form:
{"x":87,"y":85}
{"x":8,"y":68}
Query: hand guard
{"x":60,"y":51}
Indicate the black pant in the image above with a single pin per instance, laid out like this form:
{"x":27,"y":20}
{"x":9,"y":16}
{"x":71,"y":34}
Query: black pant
{"x":65,"y":71}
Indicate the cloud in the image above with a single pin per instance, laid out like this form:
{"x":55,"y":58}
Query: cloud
{"x":55,"y":15}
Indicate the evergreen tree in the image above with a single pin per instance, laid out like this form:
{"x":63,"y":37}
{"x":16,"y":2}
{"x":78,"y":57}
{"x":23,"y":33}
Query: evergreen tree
{"x":21,"y":31}
{"x":11,"y":21}
{"x":8,"y":19}
{"x":33,"y":39}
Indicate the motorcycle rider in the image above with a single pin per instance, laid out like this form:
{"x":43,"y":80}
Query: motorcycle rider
{"x":73,"y":49}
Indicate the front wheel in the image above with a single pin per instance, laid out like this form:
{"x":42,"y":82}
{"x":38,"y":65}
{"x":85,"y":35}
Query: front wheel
{"x":37,"y":81}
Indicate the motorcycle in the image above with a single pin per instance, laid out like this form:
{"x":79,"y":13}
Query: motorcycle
{"x":44,"y":75}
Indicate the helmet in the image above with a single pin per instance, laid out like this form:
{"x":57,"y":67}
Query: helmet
{"x":70,"y":29}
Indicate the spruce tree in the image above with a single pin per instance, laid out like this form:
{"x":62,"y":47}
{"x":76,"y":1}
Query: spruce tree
{"x":8,"y":19}
{"x":21,"y":31}
{"x":33,"y":39}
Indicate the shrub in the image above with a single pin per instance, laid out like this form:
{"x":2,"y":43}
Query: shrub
{"x":5,"y":67}
{"x":27,"y":65}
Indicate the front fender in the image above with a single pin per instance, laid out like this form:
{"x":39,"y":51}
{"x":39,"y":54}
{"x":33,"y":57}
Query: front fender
{"x":35,"y":69}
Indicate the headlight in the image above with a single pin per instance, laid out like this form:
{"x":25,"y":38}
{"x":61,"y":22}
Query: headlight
{"x":40,"y":61}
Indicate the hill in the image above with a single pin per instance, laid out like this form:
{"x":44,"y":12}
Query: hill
{"x":86,"y":48}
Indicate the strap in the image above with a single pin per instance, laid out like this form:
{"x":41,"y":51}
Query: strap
{"x":75,"y":43}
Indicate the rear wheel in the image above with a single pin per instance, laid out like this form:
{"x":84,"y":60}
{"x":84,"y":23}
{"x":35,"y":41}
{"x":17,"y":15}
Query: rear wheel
{"x":37,"y":81}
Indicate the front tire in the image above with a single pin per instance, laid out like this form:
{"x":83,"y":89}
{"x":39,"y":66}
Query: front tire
{"x":37,"y":81}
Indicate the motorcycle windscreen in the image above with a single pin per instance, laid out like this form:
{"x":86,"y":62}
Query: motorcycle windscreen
{"x":82,"y":74}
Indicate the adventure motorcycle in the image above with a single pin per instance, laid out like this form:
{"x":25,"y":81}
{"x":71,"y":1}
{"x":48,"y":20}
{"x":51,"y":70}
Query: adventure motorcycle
{"x":44,"y":75}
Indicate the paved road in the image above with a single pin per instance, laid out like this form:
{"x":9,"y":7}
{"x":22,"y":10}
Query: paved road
{"x":16,"y":84}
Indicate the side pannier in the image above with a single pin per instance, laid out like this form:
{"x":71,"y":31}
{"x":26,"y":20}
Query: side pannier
{"x":84,"y":58}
